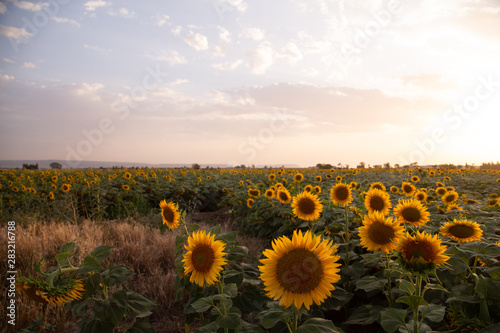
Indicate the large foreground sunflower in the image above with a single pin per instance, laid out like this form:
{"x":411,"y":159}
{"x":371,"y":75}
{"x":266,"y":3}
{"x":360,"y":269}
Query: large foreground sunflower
{"x":412,"y":212}
{"x":341,"y":194}
{"x":64,"y":290}
{"x":307,"y":206}
{"x":301,"y":270}
{"x":170,"y":214}
{"x":462,"y":231}
{"x":380,"y":233}
{"x":204,"y":258}
{"x":422,"y":251}
{"x":377,"y":200}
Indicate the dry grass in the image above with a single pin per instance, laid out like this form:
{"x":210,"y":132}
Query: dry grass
{"x":144,"y":250}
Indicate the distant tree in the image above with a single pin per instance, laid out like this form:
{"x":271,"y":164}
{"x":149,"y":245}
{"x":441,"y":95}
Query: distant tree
{"x":361,"y":165}
{"x":324,"y":166}
{"x":55,"y":165}
{"x":377,"y":166}
{"x":195,"y":166}
{"x":30,"y":166}
{"x":396,"y":165}
{"x":387,"y":165}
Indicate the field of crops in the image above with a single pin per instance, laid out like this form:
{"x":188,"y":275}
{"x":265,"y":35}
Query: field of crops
{"x":374,"y":250}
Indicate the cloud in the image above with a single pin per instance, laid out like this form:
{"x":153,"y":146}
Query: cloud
{"x":262,"y":58}
{"x":161,"y":20}
{"x":65,"y":20}
{"x":3,"y":8}
{"x":14,"y":33}
{"x":228,"y":66}
{"x":7,"y":60}
{"x":429,"y":81}
{"x":122,"y":12}
{"x":92,"y":5}
{"x":29,"y":65}
{"x":176,"y":30}
{"x":31,"y":6}
{"x":96,"y":48}
{"x":170,"y":56}
{"x":197,"y":41}
{"x":254,"y":33}
{"x":224,"y":35}
{"x":292,"y":52}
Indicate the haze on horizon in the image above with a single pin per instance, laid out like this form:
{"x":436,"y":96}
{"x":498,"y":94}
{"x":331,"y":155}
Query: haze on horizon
{"x":250,"y":82}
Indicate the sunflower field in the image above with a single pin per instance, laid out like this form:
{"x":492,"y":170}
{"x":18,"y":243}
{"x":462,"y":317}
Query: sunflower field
{"x":347,"y":250}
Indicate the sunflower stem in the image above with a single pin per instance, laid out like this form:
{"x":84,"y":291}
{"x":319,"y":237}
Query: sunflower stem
{"x":295,"y":317}
{"x":56,"y":273}
{"x":389,"y":282}
{"x":222,"y":302}
{"x":416,"y":326}
{"x":347,"y":236}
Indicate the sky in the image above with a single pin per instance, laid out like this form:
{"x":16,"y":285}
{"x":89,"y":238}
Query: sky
{"x":250,"y":81}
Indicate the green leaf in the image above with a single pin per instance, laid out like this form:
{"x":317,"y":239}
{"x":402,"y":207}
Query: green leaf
{"x":79,"y":308}
{"x":370,"y":283}
{"x":231,"y":321}
{"x":317,"y":325}
{"x":230,"y":289}
{"x":101,"y":252}
{"x":61,"y":258}
{"x":433,"y":312}
{"x":249,"y":328}
{"x":486,"y":288}
{"x":138,"y":305}
{"x":215,"y":230}
{"x":193,"y":227}
{"x":94,"y":325}
{"x":364,"y":315}
{"x":271,"y":317}
{"x":202,"y":305}
{"x":141,"y":326}
{"x":230,"y":273}
{"x":392,"y":319}
{"x":209,"y":328}
{"x":92,"y":284}
{"x":89,"y":265}
{"x":435,"y":287}
{"x":412,"y":301}
{"x":407,"y":287}
{"x":68,"y":247}
{"x":338,"y":299}
{"x":464,"y":298}
{"x":115,"y":274}
{"x":493,"y":272}
{"x":495,"y":328}
{"x":111,"y":309}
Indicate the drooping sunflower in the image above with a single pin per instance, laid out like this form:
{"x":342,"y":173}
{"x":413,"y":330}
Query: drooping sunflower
{"x":301,"y":270}
{"x":380,"y":233}
{"x":250,"y":202}
{"x":421,"y":252}
{"x":378,"y":185}
{"x":449,"y":197}
{"x":412,"y":212}
{"x":378,"y":200}
{"x":65,"y":187}
{"x":298,"y":177}
{"x":170,"y":214}
{"x":439,"y":184}
{"x":462,"y":231}
{"x":307,"y":206}
{"x":283,"y":195}
{"x":341,"y":194}
{"x":253,"y":192}
{"x":453,"y":206}
{"x":408,"y":188}
{"x":64,"y":290}
{"x":204,"y":258}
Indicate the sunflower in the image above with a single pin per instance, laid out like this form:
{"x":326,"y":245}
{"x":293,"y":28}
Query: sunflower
{"x":449,"y":188}
{"x":379,"y":233}
{"x":328,"y":176}
{"x":254,"y":193}
{"x":283,"y":195}
{"x":170,"y":214}
{"x":250,"y":202}
{"x":378,"y":200}
{"x":64,"y":290}
{"x":449,"y":197}
{"x":317,"y":189}
{"x":126,"y":187}
{"x":272,"y":177}
{"x":440,"y":191}
{"x":301,"y":270}
{"x":204,"y":258}
{"x":318,"y":178}
{"x":412,"y":212}
{"x":338,"y":179}
{"x":298,"y":177}
{"x":54,"y":179}
{"x":15,"y":189}
{"x":421,"y":252}
{"x":462,"y":231}
{"x":269,"y":193}
{"x":307,"y":206}
{"x":394,"y":189}
{"x":353,"y":185}
{"x":51,"y":195}
{"x":421,"y":195}
{"x":308,"y":188}
{"x":408,"y":188}
{"x":415,"y":179}
{"x":65,"y":187}
{"x":341,"y":194}
{"x":439,"y":184}
{"x":378,"y":185}
{"x":127,"y":175}
{"x":453,"y":206}
{"x":447,"y":178}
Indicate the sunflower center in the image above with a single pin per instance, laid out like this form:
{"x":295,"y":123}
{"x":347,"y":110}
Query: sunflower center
{"x":441,"y":192}
{"x":306,"y":206}
{"x":299,"y":271}
{"x":377,"y":186}
{"x":461,"y":231}
{"x":380,"y":233}
{"x":168,"y":214}
{"x":415,"y":250}
{"x":283,"y":196}
{"x":411,"y":214}
{"x":202,"y":258}
{"x":449,"y":198}
{"x":377,"y":203}
{"x":342,"y":193}
{"x":407,"y":189}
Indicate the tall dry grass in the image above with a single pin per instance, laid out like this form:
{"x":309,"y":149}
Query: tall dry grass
{"x":143,"y":249}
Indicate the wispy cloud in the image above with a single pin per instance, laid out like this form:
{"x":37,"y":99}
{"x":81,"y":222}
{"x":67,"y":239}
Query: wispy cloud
{"x":96,"y":48}
{"x":262,"y":58}
{"x":228,"y":65}
{"x":9,"y":61}
{"x":27,"y":5}
{"x":92,"y":5}
{"x":122,"y":12}
{"x":65,"y":20}
{"x":170,"y":56}
{"x":197,"y":41}
{"x":161,"y":20}
{"x":3,"y":8}
{"x":254,"y":33}
{"x":14,"y":33}
{"x":29,"y":65}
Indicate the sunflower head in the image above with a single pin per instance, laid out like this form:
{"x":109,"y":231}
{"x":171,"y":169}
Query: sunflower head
{"x":170,"y":214}
{"x":421,"y":195}
{"x":308,"y":188}
{"x":253,"y":192}
{"x":250,"y":202}
{"x":415,"y":179}
{"x":317,"y":189}
{"x":272,"y":177}
{"x":65,"y":187}
{"x":204,"y":258}
{"x":318,"y":178}
{"x":440,"y":191}
{"x":301,"y":270}
{"x":462,"y":231}
{"x":64,"y":290}
{"x":394,"y":189}
{"x":269,"y":193}
{"x":338,"y":179}
{"x":453,"y":206}
{"x":298,"y":177}
{"x":378,"y":200}
{"x":408,"y":188}
{"x":450,"y":197}
{"x":380,"y":233}
{"x":378,"y":185}
{"x":341,"y":194}
{"x":307,"y":206}
{"x":412,"y":212}
{"x":422,"y":252}
{"x":283,"y":195}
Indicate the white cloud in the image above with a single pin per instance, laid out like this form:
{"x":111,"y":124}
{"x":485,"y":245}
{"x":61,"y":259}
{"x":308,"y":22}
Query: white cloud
{"x":228,"y":65}
{"x":254,"y":33}
{"x":26,"y":5}
{"x":224,"y":35}
{"x":92,"y":5}
{"x":7,"y":60}
{"x":14,"y":33}
{"x":197,"y":41}
{"x":122,"y":12}
{"x":3,"y":8}
{"x":218,"y":51}
{"x":96,"y":48}
{"x":262,"y":58}
{"x":161,"y":20}
{"x":170,"y":56}
{"x":176,"y":30}
{"x":292,"y":52}
{"x":29,"y":65}
{"x":65,"y":20}
{"x":6,"y":77}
